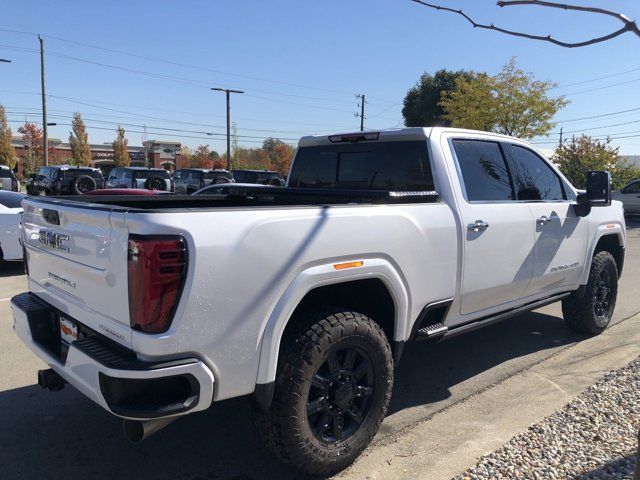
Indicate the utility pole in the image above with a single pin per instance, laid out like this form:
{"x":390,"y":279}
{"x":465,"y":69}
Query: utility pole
{"x":361,"y":114}
{"x":560,"y":135}
{"x":228,"y":92}
{"x":45,"y":140}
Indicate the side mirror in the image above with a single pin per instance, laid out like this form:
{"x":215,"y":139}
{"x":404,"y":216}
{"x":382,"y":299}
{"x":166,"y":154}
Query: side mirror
{"x":599,"y":188}
{"x":598,"y":193}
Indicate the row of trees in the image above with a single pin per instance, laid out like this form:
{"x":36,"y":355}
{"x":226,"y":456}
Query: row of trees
{"x":273,"y":155}
{"x":32,"y":137}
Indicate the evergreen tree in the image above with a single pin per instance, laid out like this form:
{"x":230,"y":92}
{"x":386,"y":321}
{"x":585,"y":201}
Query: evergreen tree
{"x":120,"y":153}
{"x":79,"y":142}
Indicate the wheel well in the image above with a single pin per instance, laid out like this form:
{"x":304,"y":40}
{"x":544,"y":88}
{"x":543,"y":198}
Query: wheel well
{"x":611,"y":244}
{"x":370,"y":297}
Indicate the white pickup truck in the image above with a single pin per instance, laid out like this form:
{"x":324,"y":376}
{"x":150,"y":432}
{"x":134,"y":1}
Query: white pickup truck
{"x":303,"y":296}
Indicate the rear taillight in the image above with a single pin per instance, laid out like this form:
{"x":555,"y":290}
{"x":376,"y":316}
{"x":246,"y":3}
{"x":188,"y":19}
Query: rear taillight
{"x":157,"y":269}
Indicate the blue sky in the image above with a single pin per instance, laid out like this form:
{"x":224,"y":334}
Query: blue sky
{"x":300,"y":63}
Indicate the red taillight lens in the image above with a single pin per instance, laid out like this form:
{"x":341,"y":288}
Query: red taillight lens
{"x":157,"y":269}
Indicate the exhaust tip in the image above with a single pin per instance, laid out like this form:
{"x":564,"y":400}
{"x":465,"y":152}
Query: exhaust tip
{"x":136,"y":430}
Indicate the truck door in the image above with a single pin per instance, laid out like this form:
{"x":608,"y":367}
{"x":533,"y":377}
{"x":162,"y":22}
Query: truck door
{"x":497,"y":238}
{"x":560,"y":235}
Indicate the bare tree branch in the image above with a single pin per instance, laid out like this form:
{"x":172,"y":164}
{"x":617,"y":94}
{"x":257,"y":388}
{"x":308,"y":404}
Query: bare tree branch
{"x":629,"y":25}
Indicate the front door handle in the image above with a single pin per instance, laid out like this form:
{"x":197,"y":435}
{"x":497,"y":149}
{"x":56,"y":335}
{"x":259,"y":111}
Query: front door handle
{"x":543,"y":220}
{"x":478,"y":226}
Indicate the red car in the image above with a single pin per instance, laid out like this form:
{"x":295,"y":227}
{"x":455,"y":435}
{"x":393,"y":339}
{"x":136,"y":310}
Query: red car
{"x":126,"y":191}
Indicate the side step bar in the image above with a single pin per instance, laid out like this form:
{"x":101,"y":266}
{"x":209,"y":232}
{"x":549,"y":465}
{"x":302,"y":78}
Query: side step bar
{"x":483,"y":322}
{"x":431,"y":332}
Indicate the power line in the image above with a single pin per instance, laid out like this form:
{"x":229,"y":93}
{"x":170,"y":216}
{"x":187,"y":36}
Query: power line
{"x":203,"y":114}
{"x":596,"y":79}
{"x":186,"y":81}
{"x":598,"y":116}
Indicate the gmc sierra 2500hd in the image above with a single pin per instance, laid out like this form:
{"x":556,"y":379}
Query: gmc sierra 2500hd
{"x":303,"y":296}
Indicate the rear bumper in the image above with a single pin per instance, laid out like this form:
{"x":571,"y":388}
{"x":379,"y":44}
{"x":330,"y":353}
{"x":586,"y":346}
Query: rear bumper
{"x":110,"y":375}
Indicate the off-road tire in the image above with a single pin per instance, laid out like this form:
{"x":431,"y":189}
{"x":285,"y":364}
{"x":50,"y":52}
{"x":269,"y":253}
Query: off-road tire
{"x":579,"y":308}
{"x":83,"y":184}
{"x":155,"y":182}
{"x":286,"y":428}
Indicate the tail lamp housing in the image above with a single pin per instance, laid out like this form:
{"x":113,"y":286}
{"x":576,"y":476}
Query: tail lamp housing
{"x":157,"y":268}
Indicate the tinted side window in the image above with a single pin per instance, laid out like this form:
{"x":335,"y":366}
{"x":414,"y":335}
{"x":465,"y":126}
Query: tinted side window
{"x":484,"y":170}
{"x":533,"y":179}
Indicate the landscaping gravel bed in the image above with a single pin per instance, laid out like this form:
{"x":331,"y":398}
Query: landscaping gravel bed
{"x":593,"y":437}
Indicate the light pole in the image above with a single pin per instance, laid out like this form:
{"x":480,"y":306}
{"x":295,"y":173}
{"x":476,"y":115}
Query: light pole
{"x":228,"y":91}
{"x":45,"y":135}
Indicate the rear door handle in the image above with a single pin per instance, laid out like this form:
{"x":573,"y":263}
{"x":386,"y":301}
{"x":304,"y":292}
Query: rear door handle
{"x":478,"y":226}
{"x":543,"y":220}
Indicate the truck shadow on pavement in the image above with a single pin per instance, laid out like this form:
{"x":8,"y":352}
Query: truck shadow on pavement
{"x":65,"y":436}
{"x":11,"y":269}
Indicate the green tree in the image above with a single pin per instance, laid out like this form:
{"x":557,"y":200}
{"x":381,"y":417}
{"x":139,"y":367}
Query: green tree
{"x":120,"y":153}
{"x":79,"y":142}
{"x":7,"y":152}
{"x":576,"y":157}
{"x":512,"y":102}
{"x":421,"y":106}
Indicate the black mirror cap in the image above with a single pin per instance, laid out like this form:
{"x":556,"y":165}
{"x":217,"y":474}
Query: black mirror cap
{"x":599,"y":188}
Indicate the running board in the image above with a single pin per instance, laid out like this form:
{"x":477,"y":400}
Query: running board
{"x":483,"y":322}
{"x":431,"y":332}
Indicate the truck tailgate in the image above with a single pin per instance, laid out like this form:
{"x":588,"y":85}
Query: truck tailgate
{"x":77,"y":260}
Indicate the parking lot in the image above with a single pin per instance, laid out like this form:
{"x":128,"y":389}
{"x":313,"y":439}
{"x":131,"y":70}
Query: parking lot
{"x":63,"y":435}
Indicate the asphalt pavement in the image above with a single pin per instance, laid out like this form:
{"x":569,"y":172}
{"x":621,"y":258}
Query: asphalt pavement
{"x":63,"y":435}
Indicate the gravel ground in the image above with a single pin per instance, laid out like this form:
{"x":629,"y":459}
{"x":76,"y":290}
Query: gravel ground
{"x":593,"y":437}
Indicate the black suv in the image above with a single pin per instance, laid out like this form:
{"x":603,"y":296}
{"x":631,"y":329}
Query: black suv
{"x":264,"y":177}
{"x":65,"y":180}
{"x":189,"y":180}
{"x":140,"y":177}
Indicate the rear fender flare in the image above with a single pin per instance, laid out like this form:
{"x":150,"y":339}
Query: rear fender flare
{"x":323,"y":275}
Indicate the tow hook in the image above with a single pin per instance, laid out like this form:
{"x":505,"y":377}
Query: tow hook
{"x":50,"y":380}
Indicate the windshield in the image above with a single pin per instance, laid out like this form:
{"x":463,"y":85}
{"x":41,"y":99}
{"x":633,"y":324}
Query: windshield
{"x":373,"y":166}
{"x":5,"y":173}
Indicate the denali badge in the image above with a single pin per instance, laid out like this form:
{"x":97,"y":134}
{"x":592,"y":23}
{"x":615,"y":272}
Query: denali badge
{"x":53,"y":240}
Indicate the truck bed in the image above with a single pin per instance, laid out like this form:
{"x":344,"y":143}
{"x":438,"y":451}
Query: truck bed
{"x":248,"y":196}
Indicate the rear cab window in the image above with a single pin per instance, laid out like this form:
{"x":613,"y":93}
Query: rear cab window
{"x":393,"y":166}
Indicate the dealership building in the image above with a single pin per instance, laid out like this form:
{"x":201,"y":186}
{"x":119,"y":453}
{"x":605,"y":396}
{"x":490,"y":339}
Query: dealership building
{"x":152,"y":153}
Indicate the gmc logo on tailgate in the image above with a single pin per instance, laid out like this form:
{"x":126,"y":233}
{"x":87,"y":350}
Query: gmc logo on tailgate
{"x":53,"y":239}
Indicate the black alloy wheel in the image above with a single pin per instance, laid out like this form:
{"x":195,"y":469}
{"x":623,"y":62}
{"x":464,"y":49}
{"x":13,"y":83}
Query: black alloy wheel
{"x":339,"y":394}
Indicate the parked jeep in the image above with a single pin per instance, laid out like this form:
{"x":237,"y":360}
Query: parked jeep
{"x":140,"y":177}
{"x":65,"y":180}
{"x":190,"y":180}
